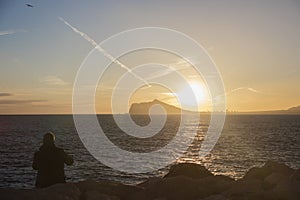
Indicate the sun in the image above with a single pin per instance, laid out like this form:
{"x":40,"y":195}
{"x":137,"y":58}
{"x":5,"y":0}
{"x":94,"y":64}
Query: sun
{"x":191,"y":99}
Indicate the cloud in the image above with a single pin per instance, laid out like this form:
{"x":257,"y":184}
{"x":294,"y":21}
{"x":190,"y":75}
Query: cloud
{"x":5,"y":94}
{"x":14,"y":101}
{"x":5,"y":101}
{"x":172,"y":68}
{"x":53,"y":80}
{"x":9,"y":32}
{"x":253,"y":90}
{"x":160,"y":73}
{"x":245,"y":88}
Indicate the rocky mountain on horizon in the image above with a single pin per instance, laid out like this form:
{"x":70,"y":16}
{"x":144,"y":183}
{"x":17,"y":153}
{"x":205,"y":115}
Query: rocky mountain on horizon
{"x":294,"y":109}
{"x":143,"y":108}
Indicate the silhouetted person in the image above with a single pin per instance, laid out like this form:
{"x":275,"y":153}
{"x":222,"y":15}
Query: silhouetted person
{"x":49,"y":161}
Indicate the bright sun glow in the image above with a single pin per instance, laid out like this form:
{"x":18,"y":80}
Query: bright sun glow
{"x":187,"y":97}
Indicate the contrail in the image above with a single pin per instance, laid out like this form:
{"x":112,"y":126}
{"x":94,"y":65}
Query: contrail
{"x":9,"y":32}
{"x":103,"y":51}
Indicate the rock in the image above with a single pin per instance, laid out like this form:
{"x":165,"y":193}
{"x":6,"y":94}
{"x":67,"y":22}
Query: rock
{"x":216,"y":184}
{"x":183,"y":187}
{"x":56,"y":192}
{"x":60,"y":191}
{"x":215,"y":197}
{"x":191,"y":170}
{"x":296,"y":175}
{"x":95,"y":195}
{"x":105,"y":187}
{"x":179,"y":187}
{"x":184,"y":181}
{"x":111,"y":188}
{"x":287,"y":188}
{"x":246,"y":189}
{"x":266,"y":170}
{"x":150,"y":181}
{"x":13,"y":194}
{"x":272,"y":180}
{"x":295,"y":181}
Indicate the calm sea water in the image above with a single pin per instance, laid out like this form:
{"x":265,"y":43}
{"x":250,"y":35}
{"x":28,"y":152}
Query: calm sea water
{"x":246,"y":141}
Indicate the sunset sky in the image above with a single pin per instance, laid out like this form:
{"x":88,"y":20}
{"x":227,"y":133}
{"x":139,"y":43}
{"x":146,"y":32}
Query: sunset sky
{"x":255,"y":45}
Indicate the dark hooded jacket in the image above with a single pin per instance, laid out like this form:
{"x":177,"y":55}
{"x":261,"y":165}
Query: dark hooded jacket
{"x":49,"y":161}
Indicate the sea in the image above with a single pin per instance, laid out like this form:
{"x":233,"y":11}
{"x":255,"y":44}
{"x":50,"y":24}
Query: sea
{"x":246,"y":141}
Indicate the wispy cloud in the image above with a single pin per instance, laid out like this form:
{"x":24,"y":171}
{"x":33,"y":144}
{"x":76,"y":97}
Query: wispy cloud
{"x":245,"y":88}
{"x":53,"y":80}
{"x":101,"y":50}
{"x":14,"y":101}
{"x":5,"y":94}
{"x":172,"y":68}
{"x":9,"y":32}
{"x":17,"y":100}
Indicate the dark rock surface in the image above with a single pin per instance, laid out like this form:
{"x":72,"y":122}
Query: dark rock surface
{"x":184,"y":181}
{"x":59,"y":192}
{"x":191,"y":170}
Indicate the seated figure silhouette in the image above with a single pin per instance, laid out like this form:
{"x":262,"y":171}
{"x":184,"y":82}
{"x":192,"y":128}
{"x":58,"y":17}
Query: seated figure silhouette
{"x":49,"y":162}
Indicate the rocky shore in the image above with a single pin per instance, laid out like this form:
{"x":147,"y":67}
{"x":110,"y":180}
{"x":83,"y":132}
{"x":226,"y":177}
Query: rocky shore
{"x":184,"y":181}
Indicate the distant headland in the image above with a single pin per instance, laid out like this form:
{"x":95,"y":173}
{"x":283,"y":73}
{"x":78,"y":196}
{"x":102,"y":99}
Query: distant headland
{"x":143,"y":108}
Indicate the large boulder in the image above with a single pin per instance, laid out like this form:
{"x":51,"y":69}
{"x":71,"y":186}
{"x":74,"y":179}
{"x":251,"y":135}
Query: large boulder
{"x":246,"y":189}
{"x":269,"y":168}
{"x":287,"y":188}
{"x":216,"y":184}
{"x":150,"y":181}
{"x":295,"y":177}
{"x":272,"y":180}
{"x":184,"y":187}
{"x":191,"y":170}
{"x":179,"y":187}
{"x":186,"y":181}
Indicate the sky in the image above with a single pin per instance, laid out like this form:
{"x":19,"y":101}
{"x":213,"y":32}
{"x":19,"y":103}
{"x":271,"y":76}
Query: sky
{"x":255,"y":45}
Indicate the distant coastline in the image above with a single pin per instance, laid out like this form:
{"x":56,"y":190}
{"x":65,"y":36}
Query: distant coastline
{"x":143,"y":109}
{"x":291,"y":111}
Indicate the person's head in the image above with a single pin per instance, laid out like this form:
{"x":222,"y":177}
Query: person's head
{"x":49,"y":138}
